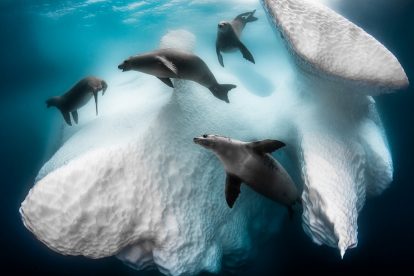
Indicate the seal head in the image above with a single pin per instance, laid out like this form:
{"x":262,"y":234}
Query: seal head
{"x":224,"y":26}
{"x":125,"y":66}
{"x":210,"y":141}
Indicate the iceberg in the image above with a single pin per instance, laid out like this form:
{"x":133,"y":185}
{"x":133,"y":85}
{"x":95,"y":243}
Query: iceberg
{"x":143,"y":191}
{"x":342,"y":147}
{"x":131,"y":184}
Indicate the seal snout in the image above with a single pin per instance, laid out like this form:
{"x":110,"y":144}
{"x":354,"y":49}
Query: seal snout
{"x":125,"y":66}
{"x":202,"y":140}
{"x":122,"y":67}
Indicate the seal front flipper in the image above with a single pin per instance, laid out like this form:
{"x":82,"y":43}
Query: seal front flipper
{"x":75,"y":116}
{"x":232,"y":189}
{"x":95,"y":95}
{"x":219,"y":56}
{"x":167,"y":81}
{"x":66,"y":116}
{"x":266,"y":146}
{"x":168,"y":65}
{"x":246,"y":53}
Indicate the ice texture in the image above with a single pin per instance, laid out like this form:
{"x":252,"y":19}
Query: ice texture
{"x":330,"y":44}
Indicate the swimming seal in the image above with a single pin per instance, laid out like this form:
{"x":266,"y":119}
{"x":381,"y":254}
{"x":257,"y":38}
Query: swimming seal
{"x":78,"y":96}
{"x":171,"y":63}
{"x":228,"y":36}
{"x":252,"y":164}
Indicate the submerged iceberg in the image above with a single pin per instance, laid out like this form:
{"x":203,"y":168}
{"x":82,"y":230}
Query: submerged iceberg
{"x":341,"y":143}
{"x":130,"y":183}
{"x":154,"y":198}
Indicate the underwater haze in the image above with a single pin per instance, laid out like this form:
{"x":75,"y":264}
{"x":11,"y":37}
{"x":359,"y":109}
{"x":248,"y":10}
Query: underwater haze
{"x":47,"y":46}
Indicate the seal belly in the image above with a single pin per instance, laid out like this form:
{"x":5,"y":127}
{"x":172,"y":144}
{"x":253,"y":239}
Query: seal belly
{"x":227,"y":42}
{"x":74,"y":104}
{"x":84,"y":99}
{"x":267,"y":177}
{"x":228,"y":49}
{"x":228,"y":46}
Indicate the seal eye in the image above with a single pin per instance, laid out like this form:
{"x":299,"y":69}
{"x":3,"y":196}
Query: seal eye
{"x":205,"y":136}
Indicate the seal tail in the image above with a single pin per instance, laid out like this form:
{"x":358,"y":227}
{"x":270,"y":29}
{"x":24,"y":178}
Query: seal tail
{"x":221,"y":91}
{"x":250,"y":17}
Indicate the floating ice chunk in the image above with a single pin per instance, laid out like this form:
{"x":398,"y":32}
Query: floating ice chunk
{"x":327,"y":43}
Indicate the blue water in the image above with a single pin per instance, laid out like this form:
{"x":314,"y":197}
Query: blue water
{"x":47,"y":45}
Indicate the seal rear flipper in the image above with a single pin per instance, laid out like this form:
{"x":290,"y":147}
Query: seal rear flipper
{"x":246,"y":53}
{"x":266,"y":146}
{"x":219,"y":56}
{"x":167,"y":81}
{"x":221,"y":91}
{"x":95,"y":95}
{"x":248,"y":16}
{"x":66,"y":116}
{"x":251,"y":17}
{"x":232,"y":189}
{"x":75,"y":116}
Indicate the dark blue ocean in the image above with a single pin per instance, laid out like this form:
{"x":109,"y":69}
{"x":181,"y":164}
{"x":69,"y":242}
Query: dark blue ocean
{"x":46,"y":45}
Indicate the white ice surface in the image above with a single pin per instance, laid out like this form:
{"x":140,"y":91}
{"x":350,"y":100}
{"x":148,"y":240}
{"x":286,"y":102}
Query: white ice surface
{"x":331,"y":44}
